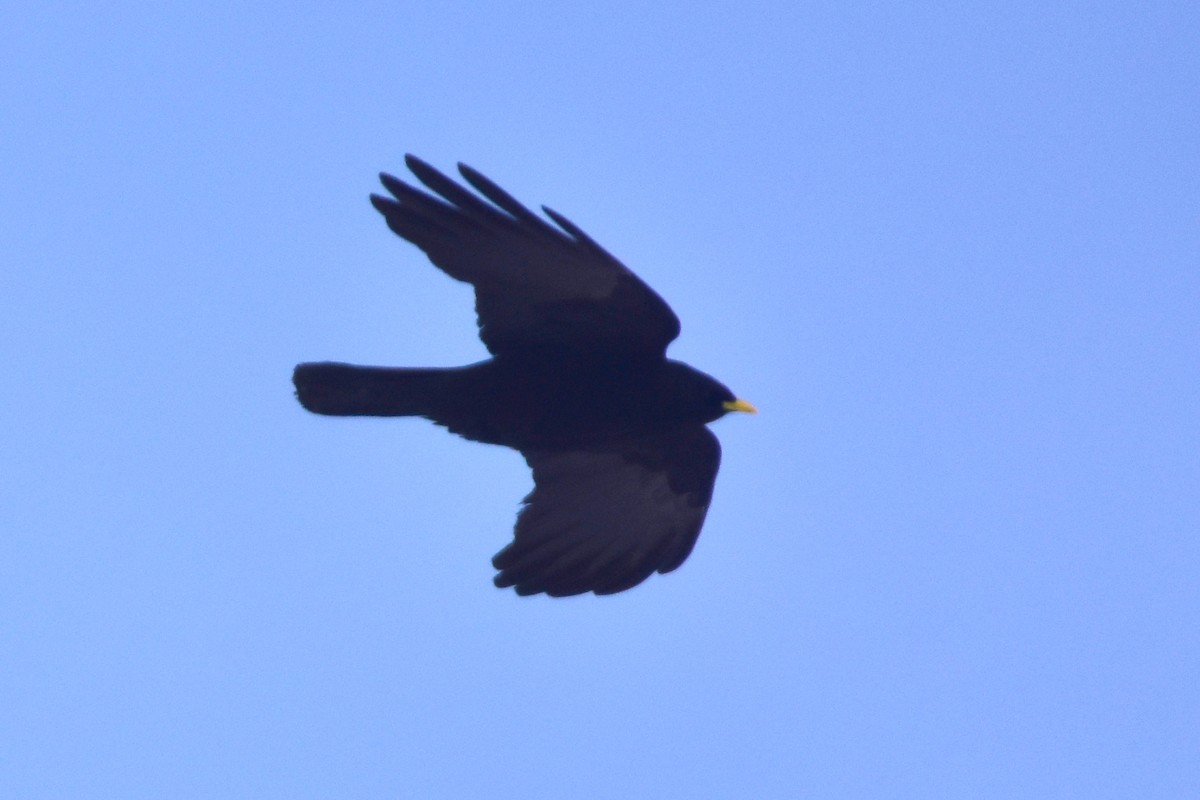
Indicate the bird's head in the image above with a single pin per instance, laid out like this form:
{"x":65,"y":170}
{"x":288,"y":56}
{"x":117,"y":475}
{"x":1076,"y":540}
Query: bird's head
{"x":701,"y":395}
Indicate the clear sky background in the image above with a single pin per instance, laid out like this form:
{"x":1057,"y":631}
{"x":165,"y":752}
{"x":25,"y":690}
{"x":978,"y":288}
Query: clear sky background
{"x":951,"y":251}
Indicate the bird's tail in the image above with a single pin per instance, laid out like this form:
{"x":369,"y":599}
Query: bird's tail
{"x":346,"y":390}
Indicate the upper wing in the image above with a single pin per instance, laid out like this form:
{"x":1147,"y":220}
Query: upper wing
{"x":536,"y":286}
{"x":604,"y":520}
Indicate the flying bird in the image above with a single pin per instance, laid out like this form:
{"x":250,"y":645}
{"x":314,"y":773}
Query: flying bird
{"x":579,"y":382}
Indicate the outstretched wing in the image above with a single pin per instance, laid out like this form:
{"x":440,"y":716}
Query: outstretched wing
{"x":605,"y":520}
{"x":537,"y":287}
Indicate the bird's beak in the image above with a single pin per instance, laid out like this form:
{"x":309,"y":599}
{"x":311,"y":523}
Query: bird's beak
{"x":739,"y":405}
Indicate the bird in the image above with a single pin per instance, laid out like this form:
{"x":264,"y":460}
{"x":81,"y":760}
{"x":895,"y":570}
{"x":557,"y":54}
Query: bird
{"x":578,"y":382}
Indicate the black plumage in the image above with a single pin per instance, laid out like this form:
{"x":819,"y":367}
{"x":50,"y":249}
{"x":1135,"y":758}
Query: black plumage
{"x":623,"y":463}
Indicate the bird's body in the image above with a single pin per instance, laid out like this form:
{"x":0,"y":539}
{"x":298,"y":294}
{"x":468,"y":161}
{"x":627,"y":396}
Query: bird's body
{"x":542,"y":403}
{"x":614,"y":431}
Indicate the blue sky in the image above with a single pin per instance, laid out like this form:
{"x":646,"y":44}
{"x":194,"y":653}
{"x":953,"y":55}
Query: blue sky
{"x":951,"y":252}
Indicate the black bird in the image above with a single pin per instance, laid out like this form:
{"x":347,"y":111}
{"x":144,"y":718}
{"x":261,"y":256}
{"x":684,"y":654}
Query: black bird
{"x":579,"y":383}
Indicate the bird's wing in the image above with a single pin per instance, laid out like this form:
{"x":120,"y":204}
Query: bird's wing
{"x":604,"y":520}
{"x":536,"y":286}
